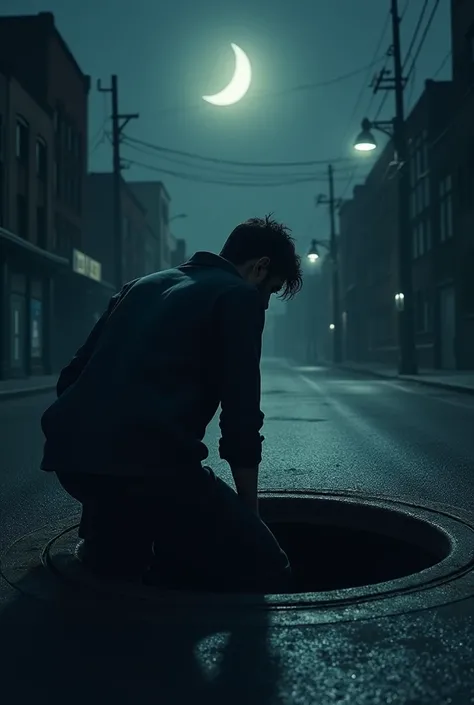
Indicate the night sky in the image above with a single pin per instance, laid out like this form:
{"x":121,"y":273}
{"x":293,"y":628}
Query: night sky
{"x":169,"y":54}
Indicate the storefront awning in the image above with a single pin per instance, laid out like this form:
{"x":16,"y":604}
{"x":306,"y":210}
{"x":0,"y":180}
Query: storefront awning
{"x":18,"y":244}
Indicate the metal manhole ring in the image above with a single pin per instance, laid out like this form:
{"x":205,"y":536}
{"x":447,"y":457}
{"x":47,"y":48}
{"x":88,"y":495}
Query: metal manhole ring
{"x":450,"y":580}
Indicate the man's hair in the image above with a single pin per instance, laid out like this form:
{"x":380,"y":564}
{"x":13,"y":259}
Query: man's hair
{"x":264,"y":237}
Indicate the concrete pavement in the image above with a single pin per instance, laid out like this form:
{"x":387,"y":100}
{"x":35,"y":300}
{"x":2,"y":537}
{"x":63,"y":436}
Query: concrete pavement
{"x":324,"y":430}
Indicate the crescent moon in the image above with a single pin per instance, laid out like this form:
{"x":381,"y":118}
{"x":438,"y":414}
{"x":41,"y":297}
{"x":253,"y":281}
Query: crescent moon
{"x":239,"y":84}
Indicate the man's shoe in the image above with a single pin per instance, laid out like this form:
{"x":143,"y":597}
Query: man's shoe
{"x":102,"y":565}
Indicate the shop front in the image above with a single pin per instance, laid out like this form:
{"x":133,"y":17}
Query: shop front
{"x":27,"y":276}
{"x":80,"y":299}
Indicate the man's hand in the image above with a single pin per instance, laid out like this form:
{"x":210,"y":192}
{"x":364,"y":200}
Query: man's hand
{"x":246,"y":484}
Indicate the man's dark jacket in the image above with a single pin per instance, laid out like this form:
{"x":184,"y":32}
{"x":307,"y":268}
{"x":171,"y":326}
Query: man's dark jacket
{"x":139,"y":394}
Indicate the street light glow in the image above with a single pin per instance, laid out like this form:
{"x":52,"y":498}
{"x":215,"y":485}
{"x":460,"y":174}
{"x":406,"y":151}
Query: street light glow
{"x":365,"y":146}
{"x":365,"y":141}
{"x":332,"y":326}
{"x":313,"y":253}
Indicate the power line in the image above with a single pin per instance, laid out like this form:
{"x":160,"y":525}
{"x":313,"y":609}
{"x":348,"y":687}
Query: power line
{"x":221,"y":182}
{"x":385,"y":96}
{"x":416,"y":32}
{"x":183,"y":161}
{"x":359,"y":99}
{"x":215,"y":160}
{"x":423,"y":38}
{"x":443,"y":64}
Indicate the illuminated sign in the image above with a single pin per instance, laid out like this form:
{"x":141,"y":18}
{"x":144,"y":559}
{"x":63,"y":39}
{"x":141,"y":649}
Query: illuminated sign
{"x":85,"y":265}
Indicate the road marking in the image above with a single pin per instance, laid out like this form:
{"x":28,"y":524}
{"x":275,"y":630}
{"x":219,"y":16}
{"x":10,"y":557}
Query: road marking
{"x":415,"y":390}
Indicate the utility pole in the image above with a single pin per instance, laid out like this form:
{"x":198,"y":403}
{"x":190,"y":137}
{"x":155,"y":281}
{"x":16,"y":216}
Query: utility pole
{"x":406,"y":310}
{"x":119,"y":122}
{"x":334,"y":203}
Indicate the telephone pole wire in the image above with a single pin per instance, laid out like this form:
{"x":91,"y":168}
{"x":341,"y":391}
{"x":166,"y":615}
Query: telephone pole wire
{"x":119,"y":122}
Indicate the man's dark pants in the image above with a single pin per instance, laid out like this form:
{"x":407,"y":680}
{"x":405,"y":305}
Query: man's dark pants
{"x":193,"y":529}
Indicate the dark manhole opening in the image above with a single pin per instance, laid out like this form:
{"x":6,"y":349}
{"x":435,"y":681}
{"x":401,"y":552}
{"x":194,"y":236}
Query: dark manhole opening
{"x":329,"y":557}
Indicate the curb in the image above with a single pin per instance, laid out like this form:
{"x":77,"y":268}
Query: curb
{"x":26,"y":392}
{"x":427,"y":383}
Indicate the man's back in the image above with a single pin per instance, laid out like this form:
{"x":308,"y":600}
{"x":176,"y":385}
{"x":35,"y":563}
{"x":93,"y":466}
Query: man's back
{"x":152,"y":382}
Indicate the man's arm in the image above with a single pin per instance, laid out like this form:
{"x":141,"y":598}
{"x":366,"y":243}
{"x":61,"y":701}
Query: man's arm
{"x":71,"y":372}
{"x":241,"y":322}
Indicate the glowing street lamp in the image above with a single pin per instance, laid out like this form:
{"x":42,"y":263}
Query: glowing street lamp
{"x":332,"y":326}
{"x":400,"y":301}
{"x":313,"y":253}
{"x":365,"y":141}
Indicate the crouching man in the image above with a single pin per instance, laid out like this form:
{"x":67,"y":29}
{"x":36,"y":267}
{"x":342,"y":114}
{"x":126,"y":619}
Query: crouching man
{"x":124,"y":436}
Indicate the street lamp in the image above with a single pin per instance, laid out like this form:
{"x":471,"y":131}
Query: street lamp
{"x":366,"y":141}
{"x":313,"y":253}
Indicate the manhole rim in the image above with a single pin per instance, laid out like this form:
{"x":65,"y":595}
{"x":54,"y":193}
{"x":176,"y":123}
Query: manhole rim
{"x":447,"y":570}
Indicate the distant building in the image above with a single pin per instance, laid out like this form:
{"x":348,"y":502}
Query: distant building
{"x":43,"y":138}
{"x":299,"y":332}
{"x":156,"y":199}
{"x":141,"y":247}
{"x":178,"y":251}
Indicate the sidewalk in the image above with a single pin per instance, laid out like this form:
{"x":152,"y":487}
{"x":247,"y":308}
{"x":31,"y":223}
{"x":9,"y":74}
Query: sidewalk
{"x":12,"y":388}
{"x":458,"y":381}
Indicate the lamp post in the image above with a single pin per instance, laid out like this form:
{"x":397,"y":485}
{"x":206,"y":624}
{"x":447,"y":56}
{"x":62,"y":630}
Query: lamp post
{"x":333,"y":203}
{"x":365,"y":141}
{"x":335,"y":328}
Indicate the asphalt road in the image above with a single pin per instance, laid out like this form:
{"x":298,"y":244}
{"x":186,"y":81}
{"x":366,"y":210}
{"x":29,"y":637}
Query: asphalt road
{"x":323,"y":429}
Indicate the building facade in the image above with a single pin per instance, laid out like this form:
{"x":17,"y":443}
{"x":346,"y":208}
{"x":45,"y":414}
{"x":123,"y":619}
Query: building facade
{"x":368,"y":266}
{"x":178,"y":251}
{"x":440,"y":134}
{"x":28,"y":265}
{"x":140,"y":247}
{"x":44,"y":115}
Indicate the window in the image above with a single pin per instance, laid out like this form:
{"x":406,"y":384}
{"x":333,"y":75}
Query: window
{"x":41,"y":227}
{"x":446,"y":208}
{"x":79,"y":195}
{"x":414,"y":241}
{"x":1,"y":137}
{"x":69,"y":138}
{"x":36,"y":320}
{"x":424,"y":151}
{"x":422,"y":312}
{"x":470,"y":45}
{"x":2,"y":195}
{"x":57,"y":180}
{"x":426,"y":183}
{"x":22,"y":140}
{"x":428,"y":236}
{"x":466,"y":184}
{"x":421,"y":238}
{"x":164,"y":212}
{"x":41,"y":159}
{"x":21,"y":216}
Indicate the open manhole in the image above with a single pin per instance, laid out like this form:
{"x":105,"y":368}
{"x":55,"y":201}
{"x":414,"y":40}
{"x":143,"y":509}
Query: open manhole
{"x":353,"y":556}
{"x":352,"y":545}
